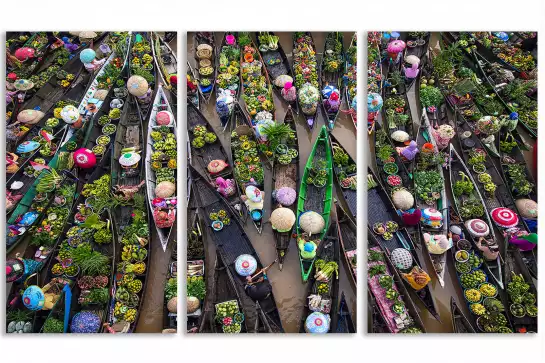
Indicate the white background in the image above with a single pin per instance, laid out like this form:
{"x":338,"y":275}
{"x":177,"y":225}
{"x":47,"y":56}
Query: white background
{"x":311,"y":15}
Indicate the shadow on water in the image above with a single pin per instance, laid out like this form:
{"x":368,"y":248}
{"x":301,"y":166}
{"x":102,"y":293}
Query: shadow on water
{"x":288,"y":289}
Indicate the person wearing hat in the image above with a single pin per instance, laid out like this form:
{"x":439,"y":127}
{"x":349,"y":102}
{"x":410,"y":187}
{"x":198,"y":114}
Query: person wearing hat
{"x":222,"y":108}
{"x":289,"y":92}
{"x":332,"y":103}
{"x":88,"y":58}
{"x":307,"y":249}
{"x":258,"y":287}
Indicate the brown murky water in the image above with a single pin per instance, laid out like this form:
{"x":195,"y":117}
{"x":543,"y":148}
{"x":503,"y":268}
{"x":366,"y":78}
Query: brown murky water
{"x":442,"y":295}
{"x":288,"y":289}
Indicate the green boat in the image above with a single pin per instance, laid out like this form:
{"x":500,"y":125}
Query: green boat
{"x":316,"y":196}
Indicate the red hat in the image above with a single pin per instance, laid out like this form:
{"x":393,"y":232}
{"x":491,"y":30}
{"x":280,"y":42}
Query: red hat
{"x":174,"y":79}
{"x":334,"y":96}
{"x":12,"y":76}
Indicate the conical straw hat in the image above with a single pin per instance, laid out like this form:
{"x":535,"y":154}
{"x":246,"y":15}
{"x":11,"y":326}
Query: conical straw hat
{"x":137,"y":86}
{"x":282,"y":219}
{"x":311,"y":222}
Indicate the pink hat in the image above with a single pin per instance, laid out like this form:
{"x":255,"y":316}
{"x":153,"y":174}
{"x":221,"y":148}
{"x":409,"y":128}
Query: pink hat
{"x":288,"y":85}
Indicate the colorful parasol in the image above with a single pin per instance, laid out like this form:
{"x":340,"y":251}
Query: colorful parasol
{"x":477,"y":227}
{"x":402,"y":258}
{"x":129,"y":159}
{"x":27,"y":146}
{"x":317,"y":323}
{"x":164,"y":118}
{"x":33,"y":298}
{"x":245,"y":265}
{"x":24,"y":53}
{"x":431,"y":217}
{"x":504,"y":217}
{"x":85,"y":158}
{"x":254,"y":194}
{"x":23,"y":84}
{"x":285,"y":196}
{"x":87,"y":55}
{"x":374,"y":102}
{"x":70,"y":114}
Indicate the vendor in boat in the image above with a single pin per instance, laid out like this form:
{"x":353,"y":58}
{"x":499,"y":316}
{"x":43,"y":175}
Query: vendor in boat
{"x":289,"y":92}
{"x":307,"y":249}
{"x":88,"y":58}
{"x":258,"y":286}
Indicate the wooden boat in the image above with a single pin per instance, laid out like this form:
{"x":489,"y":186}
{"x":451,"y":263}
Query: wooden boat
{"x":52,"y":91}
{"x":348,"y":233}
{"x":507,"y":160}
{"x":501,"y":196}
{"x":209,"y":152}
{"x":196,"y":258}
{"x":376,"y":323}
{"x":313,"y":198}
{"x":286,"y":176}
{"x":460,"y":324}
{"x":391,"y":121}
{"x":333,"y":79}
{"x":328,"y":251}
{"x":164,"y":214}
{"x":165,"y":61}
{"x":381,"y":210}
{"x":495,"y":75}
{"x":245,"y":80}
{"x":76,"y":299}
{"x":149,"y":72}
{"x":81,"y":137}
{"x":128,"y":183}
{"x":208,"y":82}
{"x":89,"y":105}
{"x":240,"y":125}
{"x":380,"y":323}
{"x":27,"y":172}
{"x":345,"y":324}
{"x":515,"y":265}
{"x":311,"y":110}
{"x":231,"y":241}
{"x":350,"y":67}
{"x":192,"y":96}
{"x":420,"y":48}
{"x":457,"y":226}
{"x":73,"y":93}
{"x":223,"y":61}
{"x":276,"y":69}
{"x":346,"y":175}
{"x":223,"y":289}
{"x":425,"y":136}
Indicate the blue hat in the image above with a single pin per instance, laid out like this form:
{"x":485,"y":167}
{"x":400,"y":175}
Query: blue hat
{"x":513,"y":116}
{"x":309,"y":247}
{"x":87,"y":55}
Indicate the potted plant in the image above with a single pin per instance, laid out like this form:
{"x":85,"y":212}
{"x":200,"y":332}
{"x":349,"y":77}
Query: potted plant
{"x":71,"y":271}
{"x":479,"y":168}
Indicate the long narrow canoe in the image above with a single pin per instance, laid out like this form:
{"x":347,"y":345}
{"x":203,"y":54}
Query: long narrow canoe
{"x":304,"y":54}
{"x":206,"y":82}
{"x":460,"y":324}
{"x":345,"y":324}
{"x":314,"y":198}
{"x":286,"y":176}
{"x":348,"y":237}
{"x":328,"y":251}
{"x":332,"y":78}
{"x":346,"y":175}
{"x":164,"y":212}
{"x":231,"y":241}
{"x":140,"y":46}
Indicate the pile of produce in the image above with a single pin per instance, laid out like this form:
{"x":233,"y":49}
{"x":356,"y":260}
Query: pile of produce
{"x":257,"y":90}
{"x":229,"y":69}
{"x":246,"y":158}
{"x":229,"y":315}
{"x":306,"y":76}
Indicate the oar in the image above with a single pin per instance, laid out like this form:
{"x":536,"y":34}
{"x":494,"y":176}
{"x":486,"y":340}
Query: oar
{"x":67,"y":302}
